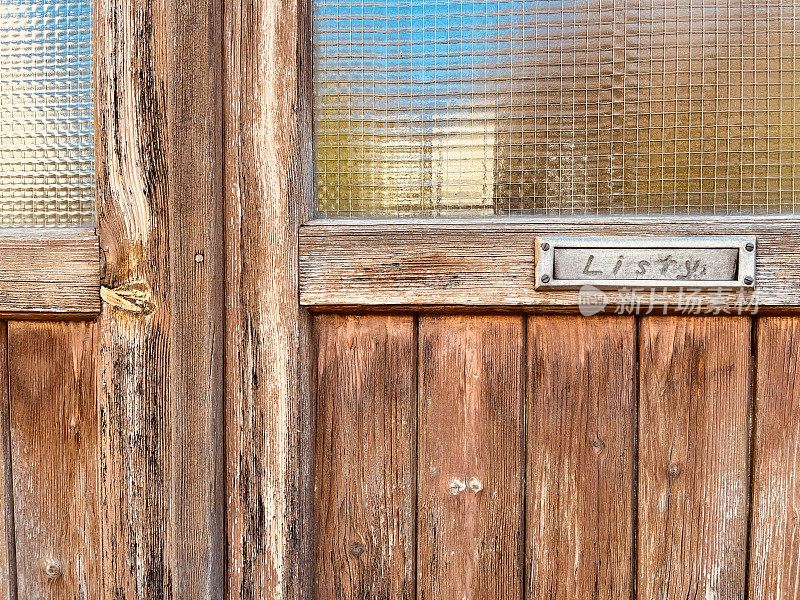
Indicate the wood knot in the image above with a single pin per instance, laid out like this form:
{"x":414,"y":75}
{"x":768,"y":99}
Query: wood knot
{"x":598,"y":445}
{"x":52,"y":569}
{"x":356,"y":549}
{"x":134,"y":297}
{"x":674,"y":471}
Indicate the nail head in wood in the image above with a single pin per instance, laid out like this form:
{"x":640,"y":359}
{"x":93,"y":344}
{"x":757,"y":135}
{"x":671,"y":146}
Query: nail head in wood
{"x":457,"y":486}
{"x":356,"y":549}
{"x":52,"y":569}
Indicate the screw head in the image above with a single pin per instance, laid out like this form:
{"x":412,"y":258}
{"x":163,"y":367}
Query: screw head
{"x":750,"y":246}
{"x":545,"y":278}
{"x":748,"y":280}
{"x":545,"y":246}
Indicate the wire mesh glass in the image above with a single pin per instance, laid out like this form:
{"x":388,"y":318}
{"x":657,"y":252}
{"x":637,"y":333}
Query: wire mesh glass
{"x":46,"y":114}
{"x":436,"y":107}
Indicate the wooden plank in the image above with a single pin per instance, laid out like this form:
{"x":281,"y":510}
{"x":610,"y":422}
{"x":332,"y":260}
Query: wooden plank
{"x":365,"y":470}
{"x":470,"y":531}
{"x":775,"y":530}
{"x":158,"y":139}
{"x":459,"y":263}
{"x":8,"y":560}
{"x":581,"y":412}
{"x":54,"y":442}
{"x":46,"y":272}
{"x":693,"y":457}
{"x":268,"y":181}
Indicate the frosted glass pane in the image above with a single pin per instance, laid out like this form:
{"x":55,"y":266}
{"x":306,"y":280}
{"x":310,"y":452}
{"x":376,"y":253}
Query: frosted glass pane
{"x":437,"y":107}
{"x":46,"y":114}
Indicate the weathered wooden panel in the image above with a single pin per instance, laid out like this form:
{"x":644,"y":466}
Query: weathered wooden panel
{"x":158,"y":139}
{"x":8,"y":566}
{"x":54,"y":443}
{"x":470,"y":530}
{"x":488,"y":263}
{"x":581,"y":411}
{"x":48,"y":272}
{"x":364,"y":459}
{"x":268,"y":181}
{"x":693,"y":457}
{"x":775,"y":530}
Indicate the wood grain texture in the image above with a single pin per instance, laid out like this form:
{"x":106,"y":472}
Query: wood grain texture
{"x":158,"y":94}
{"x":268,"y":193}
{"x":470,"y":529}
{"x":483,"y":262}
{"x":365,"y":469}
{"x":54,"y":443}
{"x":775,"y":529}
{"x":8,"y":560}
{"x":581,"y":413}
{"x":46,"y":272}
{"x":693,"y":457}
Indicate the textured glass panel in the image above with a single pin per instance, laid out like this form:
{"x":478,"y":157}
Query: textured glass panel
{"x":430,"y":107}
{"x":46,"y":115}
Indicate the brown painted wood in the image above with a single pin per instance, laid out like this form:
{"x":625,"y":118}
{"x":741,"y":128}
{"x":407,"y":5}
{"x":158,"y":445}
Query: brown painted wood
{"x":8,"y":561}
{"x":484,"y":263}
{"x":54,"y":442}
{"x":470,"y":529}
{"x":49,"y":273}
{"x":158,"y":139}
{"x":268,"y":193}
{"x":365,"y":469}
{"x":581,"y":413}
{"x":693,"y":457}
{"x":775,"y":529}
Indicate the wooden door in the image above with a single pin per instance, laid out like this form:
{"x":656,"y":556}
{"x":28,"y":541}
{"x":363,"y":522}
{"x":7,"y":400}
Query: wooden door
{"x":481,"y":435}
{"x":234,"y":388}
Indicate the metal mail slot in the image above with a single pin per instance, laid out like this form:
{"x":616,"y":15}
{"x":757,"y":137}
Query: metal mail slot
{"x":687,"y":262}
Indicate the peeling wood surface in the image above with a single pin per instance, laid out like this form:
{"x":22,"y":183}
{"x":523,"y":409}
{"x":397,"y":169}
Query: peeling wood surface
{"x":268,"y":191}
{"x":775,"y":529}
{"x":485,"y":263}
{"x":54,"y":442}
{"x":470,"y":528}
{"x":581,"y":411}
{"x":8,"y":561}
{"x":49,"y":273}
{"x":693,"y":457}
{"x":365,"y":464}
{"x":158,"y":93}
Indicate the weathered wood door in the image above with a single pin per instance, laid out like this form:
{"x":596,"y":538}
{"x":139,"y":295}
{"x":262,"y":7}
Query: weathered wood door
{"x":477,"y":434}
{"x":486,"y":456}
{"x":301,"y":350}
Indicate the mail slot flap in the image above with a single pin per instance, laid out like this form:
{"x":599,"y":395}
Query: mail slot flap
{"x":686,"y":262}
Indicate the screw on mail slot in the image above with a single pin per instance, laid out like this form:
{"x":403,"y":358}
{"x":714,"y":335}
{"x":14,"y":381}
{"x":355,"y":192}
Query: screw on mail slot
{"x":609,"y":262}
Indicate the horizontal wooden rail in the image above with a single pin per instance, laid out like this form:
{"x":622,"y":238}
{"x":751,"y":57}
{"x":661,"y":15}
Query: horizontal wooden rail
{"x":490,"y":263}
{"x":47,"y":272}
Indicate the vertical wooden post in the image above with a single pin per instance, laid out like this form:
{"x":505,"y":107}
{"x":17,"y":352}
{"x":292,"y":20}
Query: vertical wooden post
{"x":160,"y":213}
{"x":267,"y":197}
{"x":8,"y":559}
